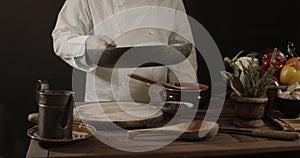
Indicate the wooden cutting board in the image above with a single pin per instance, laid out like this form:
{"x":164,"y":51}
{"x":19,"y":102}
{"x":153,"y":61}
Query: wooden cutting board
{"x":123,"y":114}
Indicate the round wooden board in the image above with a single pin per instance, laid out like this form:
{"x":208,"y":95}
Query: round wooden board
{"x":123,"y":114}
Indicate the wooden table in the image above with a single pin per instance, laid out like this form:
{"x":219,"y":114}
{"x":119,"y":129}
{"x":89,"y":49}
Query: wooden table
{"x":222,"y":145}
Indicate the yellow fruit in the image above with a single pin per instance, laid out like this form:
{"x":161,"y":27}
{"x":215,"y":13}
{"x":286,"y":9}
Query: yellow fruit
{"x":287,"y":74}
{"x":295,"y":78}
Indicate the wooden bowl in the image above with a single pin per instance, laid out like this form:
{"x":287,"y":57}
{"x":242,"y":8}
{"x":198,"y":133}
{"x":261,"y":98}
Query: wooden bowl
{"x":248,"y":108}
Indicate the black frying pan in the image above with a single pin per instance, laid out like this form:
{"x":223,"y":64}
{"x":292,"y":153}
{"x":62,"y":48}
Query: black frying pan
{"x":140,"y":56}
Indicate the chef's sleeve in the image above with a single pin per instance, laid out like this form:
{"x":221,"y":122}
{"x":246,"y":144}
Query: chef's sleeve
{"x":70,"y":34}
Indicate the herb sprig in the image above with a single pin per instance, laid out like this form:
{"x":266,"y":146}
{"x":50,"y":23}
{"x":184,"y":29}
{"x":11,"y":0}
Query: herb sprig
{"x":257,"y":81}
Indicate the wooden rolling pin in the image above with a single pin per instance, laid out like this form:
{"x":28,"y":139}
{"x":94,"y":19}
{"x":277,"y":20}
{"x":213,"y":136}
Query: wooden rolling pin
{"x":34,"y":118}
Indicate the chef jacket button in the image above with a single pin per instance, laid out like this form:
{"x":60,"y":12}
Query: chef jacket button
{"x":151,"y":33}
{"x":122,"y":83}
{"x":118,"y":5}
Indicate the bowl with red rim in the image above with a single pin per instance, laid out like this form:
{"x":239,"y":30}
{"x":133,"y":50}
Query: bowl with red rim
{"x":198,"y":94}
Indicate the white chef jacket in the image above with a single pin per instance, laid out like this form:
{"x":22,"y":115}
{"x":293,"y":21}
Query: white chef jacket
{"x":128,"y":23}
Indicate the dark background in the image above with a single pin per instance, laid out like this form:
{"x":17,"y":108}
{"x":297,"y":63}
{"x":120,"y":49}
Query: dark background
{"x":27,"y":54}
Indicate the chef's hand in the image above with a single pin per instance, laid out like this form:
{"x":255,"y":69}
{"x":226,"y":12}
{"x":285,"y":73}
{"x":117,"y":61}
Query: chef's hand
{"x":99,"y":42}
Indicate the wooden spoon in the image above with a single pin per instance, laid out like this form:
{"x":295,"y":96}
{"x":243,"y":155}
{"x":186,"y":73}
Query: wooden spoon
{"x":190,"y":130}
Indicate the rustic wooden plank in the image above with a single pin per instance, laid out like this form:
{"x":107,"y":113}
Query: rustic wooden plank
{"x":219,"y":146}
{"x":179,"y":149}
{"x":224,"y":143}
{"x":221,"y":138}
{"x":244,"y":138}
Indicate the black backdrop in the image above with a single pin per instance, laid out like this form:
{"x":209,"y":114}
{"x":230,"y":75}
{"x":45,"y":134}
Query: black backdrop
{"x":27,"y":54}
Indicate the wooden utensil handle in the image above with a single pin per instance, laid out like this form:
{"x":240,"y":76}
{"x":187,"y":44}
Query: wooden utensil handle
{"x":276,"y":134}
{"x":150,"y":81}
{"x":33,"y":118}
{"x":133,"y":133}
